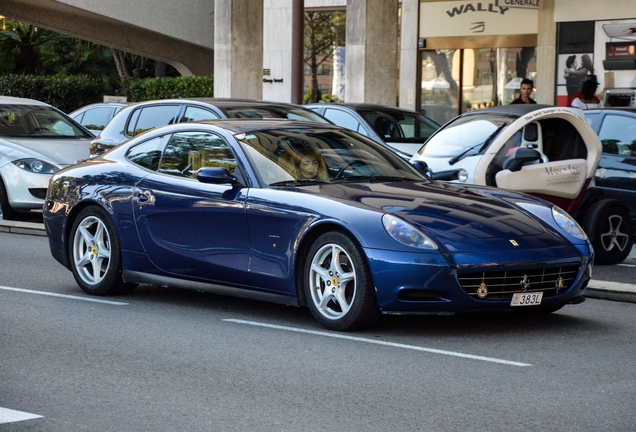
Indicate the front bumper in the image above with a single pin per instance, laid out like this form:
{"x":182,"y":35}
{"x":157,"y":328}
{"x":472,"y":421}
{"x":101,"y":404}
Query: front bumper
{"x":411,"y":283}
{"x":25,"y":190}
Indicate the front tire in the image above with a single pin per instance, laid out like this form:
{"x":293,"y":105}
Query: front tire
{"x":95,"y":254}
{"x":8,"y":212}
{"x":338,"y":286}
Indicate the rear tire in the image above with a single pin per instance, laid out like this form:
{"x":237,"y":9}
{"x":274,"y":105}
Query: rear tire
{"x":95,"y":254}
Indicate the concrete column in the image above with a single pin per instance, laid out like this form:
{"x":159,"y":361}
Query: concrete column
{"x":277,"y":53}
{"x":409,"y":59}
{"x":238,"y":48}
{"x":546,"y":54}
{"x":371,"y":52}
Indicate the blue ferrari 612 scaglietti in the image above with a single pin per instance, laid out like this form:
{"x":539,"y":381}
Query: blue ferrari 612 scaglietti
{"x":307,"y":214}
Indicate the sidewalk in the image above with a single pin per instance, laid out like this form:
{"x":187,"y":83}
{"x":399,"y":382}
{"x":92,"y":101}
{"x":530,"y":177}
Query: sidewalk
{"x":597,"y":289}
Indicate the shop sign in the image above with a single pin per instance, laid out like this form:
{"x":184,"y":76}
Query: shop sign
{"x":482,"y":18}
{"x":524,"y":4}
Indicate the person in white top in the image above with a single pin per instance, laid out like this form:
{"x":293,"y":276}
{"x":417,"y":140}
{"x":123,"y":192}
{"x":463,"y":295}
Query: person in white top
{"x":588,"y":98}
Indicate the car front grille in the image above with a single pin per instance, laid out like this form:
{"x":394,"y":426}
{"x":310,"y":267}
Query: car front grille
{"x":501,"y":285}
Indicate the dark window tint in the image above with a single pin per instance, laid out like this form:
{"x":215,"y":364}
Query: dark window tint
{"x":618,"y":135}
{"x":146,"y":154}
{"x":150,"y":117}
{"x":186,"y":152}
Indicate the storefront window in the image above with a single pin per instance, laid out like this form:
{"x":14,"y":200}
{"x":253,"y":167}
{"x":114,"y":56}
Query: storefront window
{"x":486,"y":76}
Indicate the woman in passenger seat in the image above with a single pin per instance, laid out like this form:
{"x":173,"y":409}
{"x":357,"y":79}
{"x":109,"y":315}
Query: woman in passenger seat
{"x":303,"y":164}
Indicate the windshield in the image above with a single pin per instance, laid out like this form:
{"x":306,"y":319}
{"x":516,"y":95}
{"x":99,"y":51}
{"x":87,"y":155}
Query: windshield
{"x":284,"y":157}
{"x":400,"y":126}
{"x":33,"y":121}
{"x":291,"y":113}
{"x":465,"y":134}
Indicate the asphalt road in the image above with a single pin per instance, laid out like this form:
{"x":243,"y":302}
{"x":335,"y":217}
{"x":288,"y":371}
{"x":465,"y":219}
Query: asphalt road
{"x":167,"y":360}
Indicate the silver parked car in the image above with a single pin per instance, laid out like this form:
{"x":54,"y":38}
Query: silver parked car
{"x":36,"y":141}
{"x":95,"y":117}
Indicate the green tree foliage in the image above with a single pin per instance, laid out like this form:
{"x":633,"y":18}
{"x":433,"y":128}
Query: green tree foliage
{"x":64,"y":92}
{"x":171,"y":87}
{"x":324,"y":31}
{"x":29,"y":50}
{"x":24,"y":48}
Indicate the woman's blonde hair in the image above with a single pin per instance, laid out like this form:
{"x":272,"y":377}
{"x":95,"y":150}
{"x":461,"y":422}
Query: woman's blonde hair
{"x":290,"y":161}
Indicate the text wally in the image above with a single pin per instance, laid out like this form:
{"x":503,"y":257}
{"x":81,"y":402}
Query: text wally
{"x":479,"y":7}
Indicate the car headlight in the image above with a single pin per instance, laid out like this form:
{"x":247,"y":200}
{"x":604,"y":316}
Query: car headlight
{"x":35,"y":166}
{"x":462,"y":175}
{"x":406,"y":233}
{"x":567,"y":223}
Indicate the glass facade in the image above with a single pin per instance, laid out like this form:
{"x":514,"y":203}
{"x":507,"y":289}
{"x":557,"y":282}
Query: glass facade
{"x":460,"y":80}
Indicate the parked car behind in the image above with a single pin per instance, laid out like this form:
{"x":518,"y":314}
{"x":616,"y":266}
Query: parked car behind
{"x":95,"y":117}
{"x":401,"y":129}
{"x":142,"y":116}
{"x":616,"y":172}
{"x":36,"y":140}
{"x":218,"y":206}
{"x":547,"y":151}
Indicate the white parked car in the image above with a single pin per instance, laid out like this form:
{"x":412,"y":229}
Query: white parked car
{"x":36,"y":140}
{"x":547,"y":151}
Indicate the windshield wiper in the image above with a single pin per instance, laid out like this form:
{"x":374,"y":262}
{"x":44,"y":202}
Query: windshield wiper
{"x":482,"y":146}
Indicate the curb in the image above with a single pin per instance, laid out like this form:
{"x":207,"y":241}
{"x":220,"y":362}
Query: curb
{"x":18,"y":227}
{"x":597,"y":289}
{"x":607,"y":290}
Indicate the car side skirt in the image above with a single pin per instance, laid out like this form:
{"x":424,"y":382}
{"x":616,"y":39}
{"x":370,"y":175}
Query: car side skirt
{"x":242,"y":292}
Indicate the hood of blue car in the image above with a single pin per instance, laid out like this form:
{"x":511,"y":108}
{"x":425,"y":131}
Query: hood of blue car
{"x":445,"y":210}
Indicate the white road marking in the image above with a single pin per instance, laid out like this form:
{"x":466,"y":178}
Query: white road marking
{"x":377,"y":342}
{"x":11,"y":416}
{"x":88,"y":299}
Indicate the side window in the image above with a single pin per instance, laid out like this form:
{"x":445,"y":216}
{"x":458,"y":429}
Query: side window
{"x":193,"y":113}
{"x":344,"y":119}
{"x":618,"y":135}
{"x":186,"y":152}
{"x":146,"y":154}
{"x":152,"y":116}
{"x":97,"y":118}
{"x":561,"y":141}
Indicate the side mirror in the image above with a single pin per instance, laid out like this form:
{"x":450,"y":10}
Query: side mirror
{"x":215,"y":175}
{"x":521,"y":157}
{"x":423,"y":167}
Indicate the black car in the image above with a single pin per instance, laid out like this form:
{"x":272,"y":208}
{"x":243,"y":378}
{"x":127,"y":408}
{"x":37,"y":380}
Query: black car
{"x":401,"y":129}
{"x":616,"y":172}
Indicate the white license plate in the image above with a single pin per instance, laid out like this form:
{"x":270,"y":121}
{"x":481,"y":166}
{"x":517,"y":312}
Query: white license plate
{"x":526,"y":299}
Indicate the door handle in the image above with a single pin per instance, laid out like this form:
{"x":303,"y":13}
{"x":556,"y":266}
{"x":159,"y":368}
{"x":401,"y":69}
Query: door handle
{"x":145,"y":196}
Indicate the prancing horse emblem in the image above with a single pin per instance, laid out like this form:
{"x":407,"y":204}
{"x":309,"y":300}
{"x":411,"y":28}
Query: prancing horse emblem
{"x":525,"y":282}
